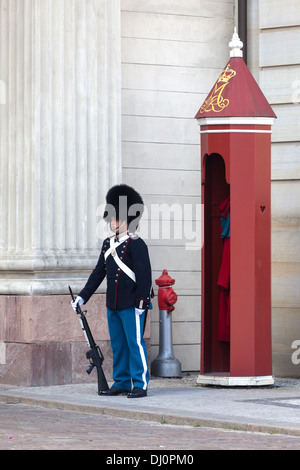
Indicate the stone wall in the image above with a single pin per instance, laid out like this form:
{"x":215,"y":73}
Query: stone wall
{"x":274,"y":59}
{"x":60,"y":152}
{"x":172,"y":53}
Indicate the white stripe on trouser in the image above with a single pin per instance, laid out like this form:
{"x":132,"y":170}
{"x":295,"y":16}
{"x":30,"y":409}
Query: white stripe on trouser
{"x":142,"y":352}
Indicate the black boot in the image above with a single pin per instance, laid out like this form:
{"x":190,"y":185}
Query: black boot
{"x":137,"y":392}
{"x":113,"y":391}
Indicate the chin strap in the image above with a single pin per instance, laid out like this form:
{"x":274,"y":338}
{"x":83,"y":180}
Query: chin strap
{"x":117,"y":229}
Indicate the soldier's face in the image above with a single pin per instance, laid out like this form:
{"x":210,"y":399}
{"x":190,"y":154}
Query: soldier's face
{"x":117,"y":226}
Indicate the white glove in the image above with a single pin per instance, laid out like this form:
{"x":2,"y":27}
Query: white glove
{"x":139,"y":311}
{"x":77,"y":303}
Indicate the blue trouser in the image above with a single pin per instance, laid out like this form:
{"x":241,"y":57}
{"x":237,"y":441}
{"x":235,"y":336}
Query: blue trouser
{"x":130,"y":361}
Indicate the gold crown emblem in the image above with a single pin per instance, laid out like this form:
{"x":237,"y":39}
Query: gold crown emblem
{"x":226,"y":75}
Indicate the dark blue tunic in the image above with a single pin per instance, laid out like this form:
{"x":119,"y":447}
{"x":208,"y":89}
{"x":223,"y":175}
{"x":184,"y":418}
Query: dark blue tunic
{"x":122,"y":291}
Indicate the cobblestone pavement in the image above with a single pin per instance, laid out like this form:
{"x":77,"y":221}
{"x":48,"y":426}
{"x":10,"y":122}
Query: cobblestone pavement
{"x":25,"y":427}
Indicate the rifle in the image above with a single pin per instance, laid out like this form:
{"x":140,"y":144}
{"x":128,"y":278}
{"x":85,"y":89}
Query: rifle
{"x":94,"y":355}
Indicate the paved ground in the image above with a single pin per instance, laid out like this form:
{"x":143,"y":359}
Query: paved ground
{"x":25,"y":427}
{"x":176,"y":415}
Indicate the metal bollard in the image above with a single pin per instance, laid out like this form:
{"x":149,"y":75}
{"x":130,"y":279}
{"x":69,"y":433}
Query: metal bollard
{"x":166,"y":364}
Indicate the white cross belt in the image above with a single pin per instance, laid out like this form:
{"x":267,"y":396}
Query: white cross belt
{"x":112,"y":251}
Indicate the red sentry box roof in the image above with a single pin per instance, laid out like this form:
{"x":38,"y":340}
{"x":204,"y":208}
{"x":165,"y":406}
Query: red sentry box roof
{"x":235,"y":94}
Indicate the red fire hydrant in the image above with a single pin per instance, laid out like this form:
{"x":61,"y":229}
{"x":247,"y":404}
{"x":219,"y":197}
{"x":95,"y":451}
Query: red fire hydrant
{"x":166,"y":365}
{"x":166,"y":295}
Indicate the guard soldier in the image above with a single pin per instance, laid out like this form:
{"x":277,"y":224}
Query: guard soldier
{"x":124,"y":260}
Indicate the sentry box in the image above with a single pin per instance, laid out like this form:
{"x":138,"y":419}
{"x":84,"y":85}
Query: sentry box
{"x":235,"y":127}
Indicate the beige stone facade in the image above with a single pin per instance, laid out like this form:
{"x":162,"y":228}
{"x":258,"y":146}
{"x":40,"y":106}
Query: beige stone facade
{"x":274,"y":59}
{"x":171,"y":55}
{"x":60,"y":152}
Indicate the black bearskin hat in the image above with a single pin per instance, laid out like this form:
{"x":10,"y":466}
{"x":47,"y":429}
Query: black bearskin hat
{"x":125,"y":204}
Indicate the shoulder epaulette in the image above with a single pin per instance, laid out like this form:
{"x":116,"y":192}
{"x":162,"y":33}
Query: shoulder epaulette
{"x":133,"y":236}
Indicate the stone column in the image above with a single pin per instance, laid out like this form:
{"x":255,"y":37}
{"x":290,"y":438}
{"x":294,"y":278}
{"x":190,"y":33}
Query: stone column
{"x":60,"y":152}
